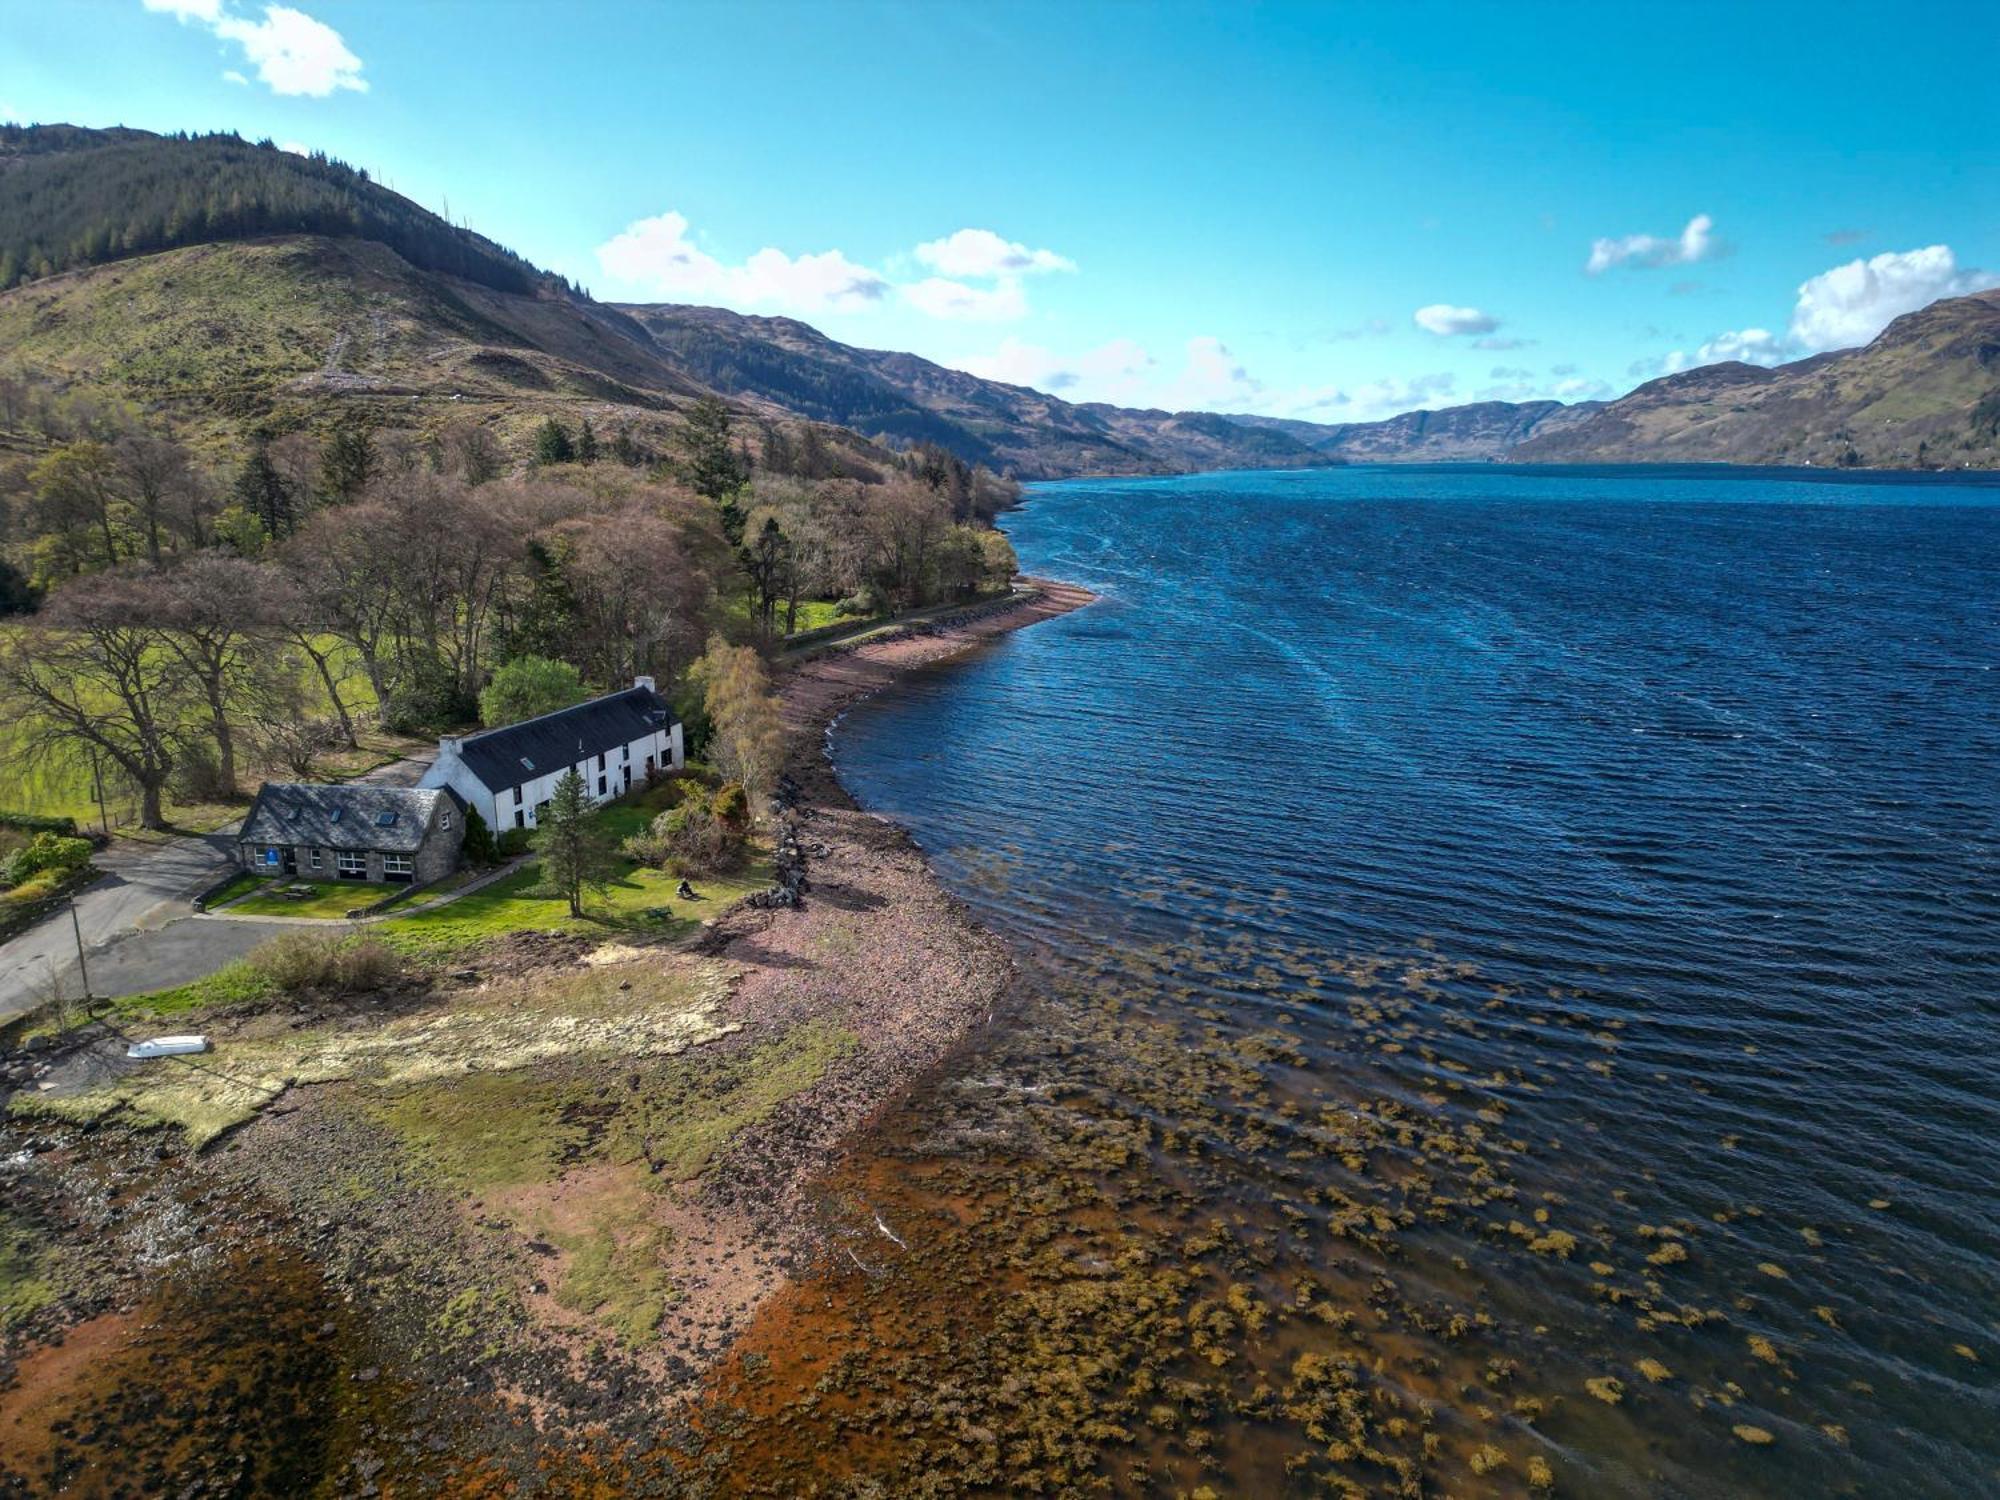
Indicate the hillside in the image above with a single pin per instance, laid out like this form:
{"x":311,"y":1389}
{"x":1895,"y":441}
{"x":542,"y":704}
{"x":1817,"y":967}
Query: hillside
{"x":1457,"y":434}
{"x":1924,"y":394}
{"x":231,"y":285}
{"x":902,"y":398}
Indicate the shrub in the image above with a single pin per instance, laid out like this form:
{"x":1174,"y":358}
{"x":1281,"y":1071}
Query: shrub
{"x":731,"y":804}
{"x":478,"y":846}
{"x":428,"y":696}
{"x":52,"y":853}
{"x":325,"y":963}
{"x":512,"y":843}
{"x":37,"y":823}
{"x":691,"y":839}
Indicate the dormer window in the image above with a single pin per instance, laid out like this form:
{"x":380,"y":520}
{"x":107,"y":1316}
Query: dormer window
{"x":334,"y":816}
{"x":385,"y":820}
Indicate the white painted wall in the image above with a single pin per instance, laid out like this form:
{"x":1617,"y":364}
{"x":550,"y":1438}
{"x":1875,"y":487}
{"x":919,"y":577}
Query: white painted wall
{"x":497,"y":805}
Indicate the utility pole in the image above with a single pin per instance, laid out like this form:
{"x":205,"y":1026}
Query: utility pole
{"x":76,"y":926}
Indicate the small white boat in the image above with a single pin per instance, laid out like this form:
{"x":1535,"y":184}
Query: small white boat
{"x":167,"y":1046}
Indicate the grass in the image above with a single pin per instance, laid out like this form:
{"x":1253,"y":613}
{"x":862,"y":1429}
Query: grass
{"x":243,"y":884}
{"x":330,"y":899}
{"x":639,"y":901}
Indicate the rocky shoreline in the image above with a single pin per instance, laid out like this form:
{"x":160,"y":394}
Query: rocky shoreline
{"x":434,"y":1300}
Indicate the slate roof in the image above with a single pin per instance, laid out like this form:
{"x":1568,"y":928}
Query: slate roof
{"x":341,"y":817}
{"x":517,"y":753}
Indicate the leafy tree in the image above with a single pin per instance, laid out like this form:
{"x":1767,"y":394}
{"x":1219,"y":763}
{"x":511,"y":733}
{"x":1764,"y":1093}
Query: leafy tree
{"x":75,"y":489}
{"x":747,"y":733}
{"x":527,"y":687}
{"x":713,"y":468}
{"x":553,"y":445}
{"x":586,"y":444}
{"x":577,"y":852}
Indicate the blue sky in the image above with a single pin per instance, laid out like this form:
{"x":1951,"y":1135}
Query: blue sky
{"x":1333,"y":212}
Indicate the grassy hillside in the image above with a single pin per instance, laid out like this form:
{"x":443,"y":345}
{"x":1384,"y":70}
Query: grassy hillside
{"x":1924,"y":394}
{"x":902,"y":398}
{"x":299,"y":332}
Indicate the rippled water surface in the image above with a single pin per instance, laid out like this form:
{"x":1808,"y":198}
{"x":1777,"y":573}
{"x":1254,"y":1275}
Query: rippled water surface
{"x":1592,"y":873}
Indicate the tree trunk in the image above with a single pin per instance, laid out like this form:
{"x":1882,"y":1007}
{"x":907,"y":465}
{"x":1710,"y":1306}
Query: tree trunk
{"x":332,"y":692}
{"x":150,"y":815}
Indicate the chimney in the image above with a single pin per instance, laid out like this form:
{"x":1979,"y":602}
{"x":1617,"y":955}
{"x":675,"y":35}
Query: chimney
{"x":643,"y":682}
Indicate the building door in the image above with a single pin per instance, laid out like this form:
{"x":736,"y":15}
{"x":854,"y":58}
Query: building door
{"x":291,"y":860}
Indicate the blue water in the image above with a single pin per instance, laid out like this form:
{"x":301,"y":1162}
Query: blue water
{"x":1700,"y":771}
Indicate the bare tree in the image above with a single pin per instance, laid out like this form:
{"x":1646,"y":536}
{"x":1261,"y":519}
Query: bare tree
{"x":92,"y":672}
{"x":160,"y":482}
{"x":209,"y":611}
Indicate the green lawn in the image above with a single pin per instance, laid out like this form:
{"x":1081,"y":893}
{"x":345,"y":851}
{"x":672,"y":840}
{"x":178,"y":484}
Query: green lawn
{"x":639,"y":901}
{"x":331,"y":898}
{"x":242,"y":885}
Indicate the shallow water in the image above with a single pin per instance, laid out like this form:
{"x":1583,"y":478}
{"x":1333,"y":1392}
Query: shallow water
{"x":1566,"y":898}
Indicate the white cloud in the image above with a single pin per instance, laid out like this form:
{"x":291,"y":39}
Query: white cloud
{"x":656,"y":256}
{"x":291,"y":52}
{"x":232,"y":76}
{"x":1366,"y":403}
{"x":1850,"y":304}
{"x":982,"y":253}
{"x":294,"y":54}
{"x":954,"y":301}
{"x":1111,"y":372}
{"x":1695,"y":242}
{"x":1444,"y":319}
{"x":1500,"y":345}
{"x":297,"y":148}
{"x":1752,"y":346}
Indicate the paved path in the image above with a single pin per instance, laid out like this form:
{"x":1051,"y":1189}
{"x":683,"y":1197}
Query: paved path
{"x":140,"y":932}
{"x":145,"y":887}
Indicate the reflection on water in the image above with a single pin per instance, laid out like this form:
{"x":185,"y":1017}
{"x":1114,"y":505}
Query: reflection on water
{"x":1508,"y":1000}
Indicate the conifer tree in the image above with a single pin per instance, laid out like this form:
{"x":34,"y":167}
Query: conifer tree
{"x":262,"y":491}
{"x":553,"y":445}
{"x":586,"y":444}
{"x":577,"y":853}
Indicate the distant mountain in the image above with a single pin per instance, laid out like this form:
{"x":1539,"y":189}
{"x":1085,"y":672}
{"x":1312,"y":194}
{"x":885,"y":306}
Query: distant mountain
{"x":1924,"y":394}
{"x":902,"y":398}
{"x":1457,"y":434}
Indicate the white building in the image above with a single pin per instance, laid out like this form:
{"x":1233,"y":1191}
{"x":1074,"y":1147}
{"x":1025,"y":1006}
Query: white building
{"x":509,"y":774}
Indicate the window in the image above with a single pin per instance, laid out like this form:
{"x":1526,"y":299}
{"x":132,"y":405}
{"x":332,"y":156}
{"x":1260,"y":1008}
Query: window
{"x":600,"y":760}
{"x":600,"y":786}
{"x":334,"y":816}
{"x":385,"y":820}
{"x":520,"y":818}
{"x":352,"y":866}
{"x":312,"y":859}
{"x":445,"y":821}
{"x":528,"y":763}
{"x":398,"y":867}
